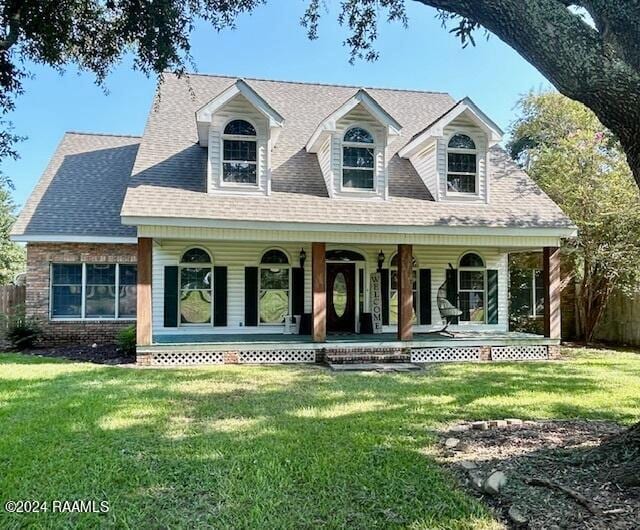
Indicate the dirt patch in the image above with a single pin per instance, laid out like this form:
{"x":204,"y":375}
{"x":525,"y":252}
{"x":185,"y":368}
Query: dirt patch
{"x":105,"y":354}
{"x":553,"y":480}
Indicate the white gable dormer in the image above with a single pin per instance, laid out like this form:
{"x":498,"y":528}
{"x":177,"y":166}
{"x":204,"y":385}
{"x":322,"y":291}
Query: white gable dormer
{"x":451,"y":155}
{"x":239,"y":128}
{"x":351,"y":145}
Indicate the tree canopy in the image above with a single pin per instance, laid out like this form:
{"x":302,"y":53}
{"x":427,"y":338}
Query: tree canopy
{"x":12,"y":255}
{"x":582,"y":167}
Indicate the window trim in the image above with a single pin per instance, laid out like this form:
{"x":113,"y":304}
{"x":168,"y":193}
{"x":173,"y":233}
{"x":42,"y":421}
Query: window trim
{"x":533,"y":313}
{"x":273,"y":266}
{"x":183,"y":265}
{"x":476,"y":152}
{"x":83,"y":292}
{"x":374,"y":146}
{"x":483,"y":269}
{"x":223,"y":137}
{"x":534,"y":306}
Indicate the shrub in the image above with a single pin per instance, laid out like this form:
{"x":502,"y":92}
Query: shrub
{"x":126,"y":339}
{"x":23,"y":332}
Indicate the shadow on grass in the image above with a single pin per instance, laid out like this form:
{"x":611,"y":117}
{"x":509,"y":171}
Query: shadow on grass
{"x":284,"y":447}
{"x":542,"y":458}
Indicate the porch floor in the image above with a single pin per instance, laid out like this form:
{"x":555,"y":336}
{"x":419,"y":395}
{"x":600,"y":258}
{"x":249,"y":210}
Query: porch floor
{"x":379,"y":340}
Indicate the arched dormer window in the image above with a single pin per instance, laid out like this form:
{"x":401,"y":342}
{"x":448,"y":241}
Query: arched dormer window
{"x":358,"y":159}
{"x":462,"y":164}
{"x":472,"y":286}
{"x":196,"y":287}
{"x":393,"y":289}
{"x":274,"y":288}
{"x":239,"y":153}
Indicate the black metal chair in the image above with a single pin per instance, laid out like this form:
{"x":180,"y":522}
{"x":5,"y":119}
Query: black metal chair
{"x":447,"y":310}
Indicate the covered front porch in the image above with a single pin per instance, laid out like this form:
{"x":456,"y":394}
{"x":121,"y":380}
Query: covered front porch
{"x":214,"y":300}
{"x":385,"y":347}
{"x":490,"y":338}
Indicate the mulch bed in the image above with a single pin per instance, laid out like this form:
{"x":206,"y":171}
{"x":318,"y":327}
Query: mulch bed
{"x":553,"y":479}
{"x":104,"y":354}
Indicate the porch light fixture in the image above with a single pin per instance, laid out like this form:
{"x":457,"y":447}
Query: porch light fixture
{"x":380,"y":260}
{"x":303,"y":258}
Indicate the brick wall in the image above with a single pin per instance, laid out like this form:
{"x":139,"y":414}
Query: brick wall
{"x":39,"y":258}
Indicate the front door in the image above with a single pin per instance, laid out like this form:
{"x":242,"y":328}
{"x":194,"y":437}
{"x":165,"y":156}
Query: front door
{"x":341,"y":297}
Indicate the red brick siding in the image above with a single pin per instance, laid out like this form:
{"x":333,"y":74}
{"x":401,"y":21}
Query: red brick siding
{"x":39,"y":259}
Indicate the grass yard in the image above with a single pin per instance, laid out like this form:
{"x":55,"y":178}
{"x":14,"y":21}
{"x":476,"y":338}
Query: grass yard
{"x":271,"y":447}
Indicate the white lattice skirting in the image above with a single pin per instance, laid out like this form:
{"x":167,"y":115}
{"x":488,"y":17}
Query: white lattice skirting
{"x":276,"y":356}
{"x":177,"y":358}
{"x":439,"y":355}
{"x":519,"y":353}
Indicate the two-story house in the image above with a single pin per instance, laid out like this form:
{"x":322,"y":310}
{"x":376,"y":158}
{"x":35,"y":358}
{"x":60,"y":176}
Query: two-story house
{"x":269,"y":221}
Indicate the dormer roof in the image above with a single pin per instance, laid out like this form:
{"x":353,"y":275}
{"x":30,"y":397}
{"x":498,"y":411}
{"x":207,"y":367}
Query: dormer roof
{"x":240,"y":87}
{"x":465,"y":107}
{"x":168,"y":179}
{"x":361,"y":97}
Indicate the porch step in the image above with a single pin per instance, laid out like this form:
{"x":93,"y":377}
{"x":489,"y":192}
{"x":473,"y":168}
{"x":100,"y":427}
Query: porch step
{"x":374,"y":367}
{"x":366,"y":355}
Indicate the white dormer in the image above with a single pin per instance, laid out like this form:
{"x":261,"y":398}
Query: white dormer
{"x":351,"y":145}
{"x":240,"y":129}
{"x":451,"y":155}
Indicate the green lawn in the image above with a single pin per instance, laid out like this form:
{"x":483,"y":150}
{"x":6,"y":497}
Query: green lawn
{"x":271,"y":447}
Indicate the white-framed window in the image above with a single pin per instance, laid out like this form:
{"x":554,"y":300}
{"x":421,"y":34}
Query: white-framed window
{"x":472,"y":288}
{"x":393,"y":290}
{"x":196,"y":287}
{"x":93,"y":291}
{"x":274,"y":288}
{"x":462,"y":165}
{"x":239,"y":153}
{"x":358,"y":159}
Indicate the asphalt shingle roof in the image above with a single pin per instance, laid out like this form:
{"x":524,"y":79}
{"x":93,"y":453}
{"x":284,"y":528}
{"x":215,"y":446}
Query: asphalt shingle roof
{"x":169,"y":175}
{"x":163,"y":174}
{"x":81,"y":190}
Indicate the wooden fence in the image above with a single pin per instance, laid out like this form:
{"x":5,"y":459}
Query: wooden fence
{"x":621,"y":320}
{"x":12,"y":298}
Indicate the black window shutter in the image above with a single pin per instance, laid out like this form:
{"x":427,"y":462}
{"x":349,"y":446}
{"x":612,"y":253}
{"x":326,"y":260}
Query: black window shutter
{"x":251,"y":296}
{"x":452,"y":291}
{"x":384,"y":287}
{"x":425,"y":296}
{"x":297,"y":291}
{"x":492,"y":296}
{"x":170,"y":297}
{"x":219,"y":296}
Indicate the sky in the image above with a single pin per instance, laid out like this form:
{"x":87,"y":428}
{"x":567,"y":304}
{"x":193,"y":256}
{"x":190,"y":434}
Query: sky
{"x":270,"y":43}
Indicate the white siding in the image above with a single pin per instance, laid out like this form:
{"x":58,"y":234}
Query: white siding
{"x":359,"y":116}
{"x":437,"y":259}
{"x":237,"y":255}
{"x":233,"y":255}
{"x":237,"y":108}
{"x":324,"y":158}
{"x":464,"y":126}
{"x":424,"y":162}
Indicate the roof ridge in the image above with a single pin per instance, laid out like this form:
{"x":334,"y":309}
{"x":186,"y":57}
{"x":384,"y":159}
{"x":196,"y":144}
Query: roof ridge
{"x":339,"y":85}
{"x":115,"y":135}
